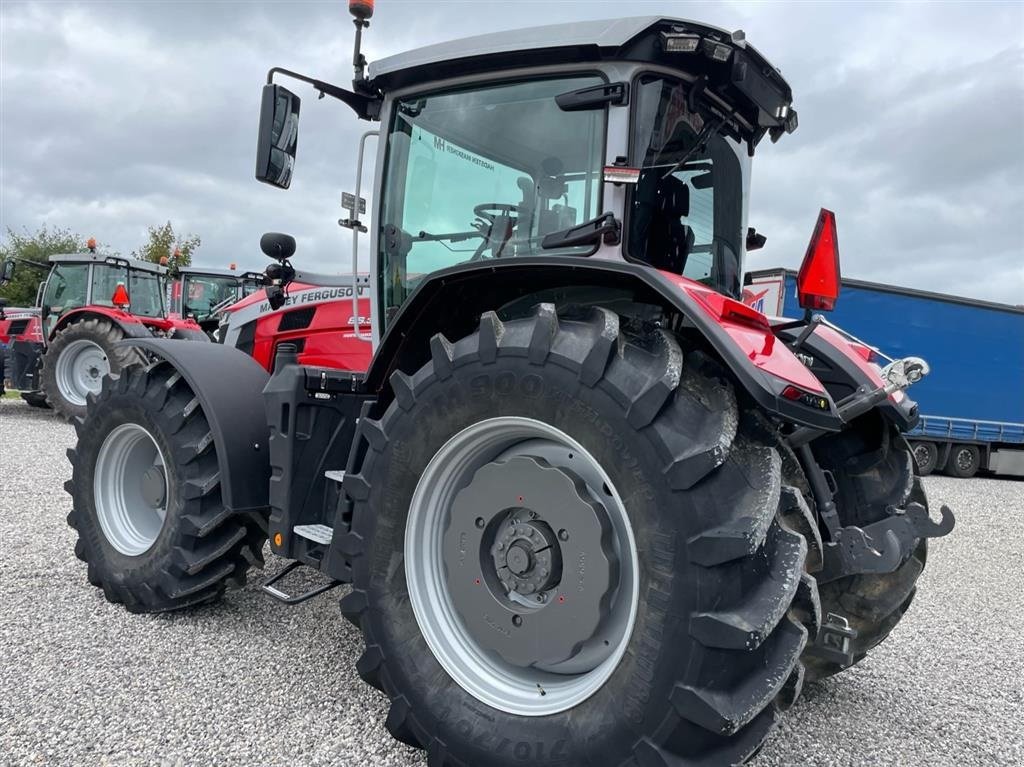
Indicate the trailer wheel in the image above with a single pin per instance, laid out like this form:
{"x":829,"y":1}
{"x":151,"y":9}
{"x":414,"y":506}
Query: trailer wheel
{"x":873,"y":467}
{"x":926,"y":454}
{"x":568,"y":547}
{"x":75,"y":363}
{"x":146,"y":499}
{"x":964,"y":461}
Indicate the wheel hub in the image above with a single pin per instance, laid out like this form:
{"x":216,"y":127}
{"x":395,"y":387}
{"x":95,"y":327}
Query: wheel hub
{"x":526,"y":556}
{"x":154,"y":487}
{"x":507,"y":579}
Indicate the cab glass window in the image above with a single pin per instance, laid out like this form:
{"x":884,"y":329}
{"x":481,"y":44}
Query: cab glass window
{"x":686,"y":214}
{"x":483,"y":173}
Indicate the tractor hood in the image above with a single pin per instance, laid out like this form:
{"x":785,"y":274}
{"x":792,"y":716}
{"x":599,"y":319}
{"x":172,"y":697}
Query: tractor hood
{"x":737,"y":78}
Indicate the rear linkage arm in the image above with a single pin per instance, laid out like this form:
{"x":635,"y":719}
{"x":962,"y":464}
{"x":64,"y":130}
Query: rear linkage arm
{"x":881,"y":546}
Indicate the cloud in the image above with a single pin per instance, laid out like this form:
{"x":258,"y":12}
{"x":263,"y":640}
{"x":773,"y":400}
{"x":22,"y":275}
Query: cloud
{"x":116,"y":116}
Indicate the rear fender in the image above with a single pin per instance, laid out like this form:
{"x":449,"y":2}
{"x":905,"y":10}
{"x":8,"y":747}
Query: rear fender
{"x":129,"y":324}
{"x":836,"y":363}
{"x":229,"y":387}
{"x":451,"y":302}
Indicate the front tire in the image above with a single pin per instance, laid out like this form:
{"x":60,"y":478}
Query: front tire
{"x":77,"y":360}
{"x":722,"y":605}
{"x":146,"y":498}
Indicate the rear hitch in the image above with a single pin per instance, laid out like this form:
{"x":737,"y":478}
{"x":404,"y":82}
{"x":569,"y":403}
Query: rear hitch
{"x":269,"y":589}
{"x":881,"y":546}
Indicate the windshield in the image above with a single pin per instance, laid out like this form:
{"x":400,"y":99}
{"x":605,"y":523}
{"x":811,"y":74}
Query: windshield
{"x":201,"y":294}
{"x":485,"y":173}
{"x":687,"y":212}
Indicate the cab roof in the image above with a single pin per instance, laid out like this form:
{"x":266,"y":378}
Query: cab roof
{"x":744,"y":78}
{"x":101,"y":258}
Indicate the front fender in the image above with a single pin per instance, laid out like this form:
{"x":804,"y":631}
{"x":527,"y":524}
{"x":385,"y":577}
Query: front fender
{"x":451,"y":301}
{"x":229,"y":387}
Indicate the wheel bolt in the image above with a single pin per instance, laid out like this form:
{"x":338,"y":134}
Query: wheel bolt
{"x":517,"y":620}
{"x":480,"y":522}
{"x":563,"y":534}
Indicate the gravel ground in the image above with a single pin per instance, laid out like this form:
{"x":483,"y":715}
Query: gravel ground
{"x":250,"y":681}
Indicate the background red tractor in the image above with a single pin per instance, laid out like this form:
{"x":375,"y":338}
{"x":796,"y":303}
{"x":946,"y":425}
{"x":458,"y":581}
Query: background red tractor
{"x":593,"y":509}
{"x":87,"y":304}
{"x":203,"y":293}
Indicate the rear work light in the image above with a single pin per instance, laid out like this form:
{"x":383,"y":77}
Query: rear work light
{"x":679,"y":43}
{"x":817,"y":284}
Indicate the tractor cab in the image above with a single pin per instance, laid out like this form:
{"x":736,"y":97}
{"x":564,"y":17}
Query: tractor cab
{"x":200,"y":293}
{"x":624,"y":141}
{"x":92,"y":279}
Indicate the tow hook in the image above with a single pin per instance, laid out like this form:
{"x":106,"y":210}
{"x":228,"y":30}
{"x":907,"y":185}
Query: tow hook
{"x":881,"y":546}
{"x":833,"y":640}
{"x":904,"y":373}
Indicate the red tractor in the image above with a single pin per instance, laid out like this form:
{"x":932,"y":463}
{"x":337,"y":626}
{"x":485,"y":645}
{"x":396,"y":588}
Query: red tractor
{"x":593,"y":509}
{"x":20,"y":334}
{"x":202,"y":294}
{"x":87,"y":304}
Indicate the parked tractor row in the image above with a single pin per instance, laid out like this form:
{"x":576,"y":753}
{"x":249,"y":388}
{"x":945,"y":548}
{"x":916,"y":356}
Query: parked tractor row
{"x":593,"y":509}
{"x":61,"y":349}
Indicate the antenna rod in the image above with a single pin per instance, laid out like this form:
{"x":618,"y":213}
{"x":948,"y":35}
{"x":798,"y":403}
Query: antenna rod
{"x":361,"y":11}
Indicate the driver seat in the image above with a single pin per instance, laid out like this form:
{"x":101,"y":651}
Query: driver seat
{"x":669,"y":239}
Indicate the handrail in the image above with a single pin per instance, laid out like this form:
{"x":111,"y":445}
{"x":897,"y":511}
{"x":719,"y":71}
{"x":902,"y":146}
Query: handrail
{"x":355,"y":238}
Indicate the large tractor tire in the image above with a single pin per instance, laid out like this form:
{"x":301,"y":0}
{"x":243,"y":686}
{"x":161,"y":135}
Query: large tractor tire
{"x":146,"y":497}
{"x":77,"y":360}
{"x":874,"y":471}
{"x":569,"y":547}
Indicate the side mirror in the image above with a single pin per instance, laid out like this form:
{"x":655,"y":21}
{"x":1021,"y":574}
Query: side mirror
{"x":278,"y":246}
{"x":755,"y":240}
{"x":818,"y":282}
{"x":7,"y":271}
{"x":278,"y":137}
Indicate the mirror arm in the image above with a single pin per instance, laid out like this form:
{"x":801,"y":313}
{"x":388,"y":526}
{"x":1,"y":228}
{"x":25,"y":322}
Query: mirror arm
{"x":366,"y":107}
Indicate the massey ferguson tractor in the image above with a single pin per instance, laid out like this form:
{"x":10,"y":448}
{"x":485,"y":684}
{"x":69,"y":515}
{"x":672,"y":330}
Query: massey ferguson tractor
{"x":593,"y":509}
{"x":203,"y":293}
{"x":87,"y":304}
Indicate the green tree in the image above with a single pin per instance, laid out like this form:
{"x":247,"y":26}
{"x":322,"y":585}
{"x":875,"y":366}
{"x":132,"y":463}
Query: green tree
{"x":36,"y":247}
{"x":164,"y":243}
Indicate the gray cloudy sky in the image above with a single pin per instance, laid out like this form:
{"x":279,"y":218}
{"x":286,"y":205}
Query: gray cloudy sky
{"x":114,"y":116}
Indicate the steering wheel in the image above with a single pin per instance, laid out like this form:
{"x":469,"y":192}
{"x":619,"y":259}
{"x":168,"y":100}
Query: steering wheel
{"x":489,"y":211}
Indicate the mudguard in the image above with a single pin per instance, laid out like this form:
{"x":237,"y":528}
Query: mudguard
{"x":229,"y":387}
{"x":130,"y":324}
{"x":451,"y":300}
{"x":842,"y":370}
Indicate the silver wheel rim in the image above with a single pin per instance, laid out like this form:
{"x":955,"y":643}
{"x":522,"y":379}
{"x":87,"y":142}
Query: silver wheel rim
{"x":964,"y":459}
{"x":130,"y":489}
{"x":81,"y":369}
{"x":524,"y":691}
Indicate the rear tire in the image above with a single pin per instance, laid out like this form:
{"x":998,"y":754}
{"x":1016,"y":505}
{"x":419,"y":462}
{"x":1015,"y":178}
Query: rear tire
{"x":874,"y":469}
{"x":77,"y":360}
{"x":724,"y":606}
{"x":964,"y":461}
{"x":200,"y":548}
{"x":926,"y":455}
